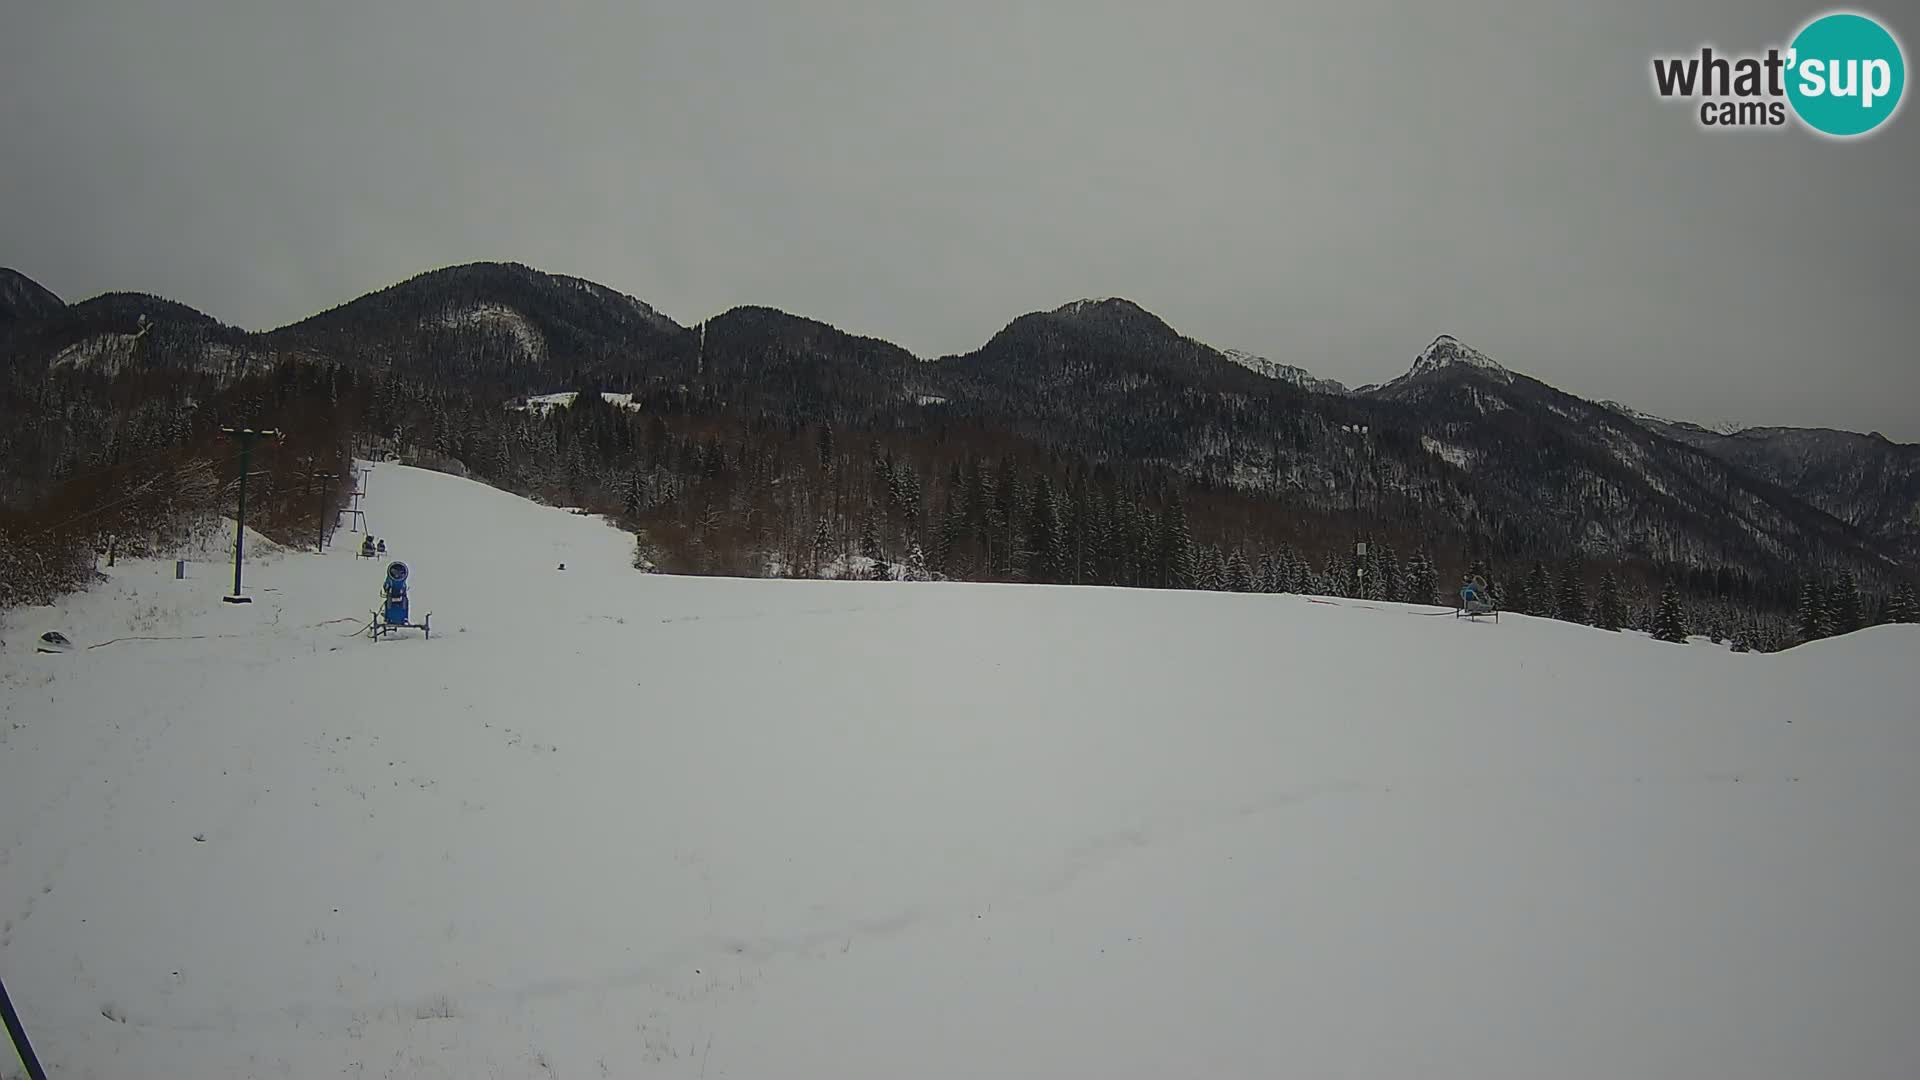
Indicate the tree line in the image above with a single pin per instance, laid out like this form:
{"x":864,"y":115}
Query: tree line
{"x":135,"y":464}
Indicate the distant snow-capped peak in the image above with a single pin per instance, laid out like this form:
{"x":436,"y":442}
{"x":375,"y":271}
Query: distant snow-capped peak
{"x":1447,"y":351}
{"x":1286,"y":373}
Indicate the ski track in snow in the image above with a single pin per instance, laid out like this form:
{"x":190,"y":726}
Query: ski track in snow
{"x":614,"y":824}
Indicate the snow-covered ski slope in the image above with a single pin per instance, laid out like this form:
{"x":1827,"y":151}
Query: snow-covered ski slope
{"x":607,"y":824}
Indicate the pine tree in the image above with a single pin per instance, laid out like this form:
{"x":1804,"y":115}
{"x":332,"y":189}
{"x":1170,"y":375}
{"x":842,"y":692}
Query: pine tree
{"x":822,"y":542}
{"x":1293,"y":571}
{"x":1670,"y":621}
{"x":1110,"y":561}
{"x":1001,"y":517}
{"x":502,"y":458}
{"x":1383,"y":576}
{"x":1212,"y":576}
{"x":1175,"y":548}
{"x":1902,"y":607}
{"x":1573,"y":592}
{"x":1640,"y":612}
{"x":1043,"y":535}
{"x":1535,"y":596}
{"x":826,"y":447}
{"x":1267,"y":578}
{"x":1422,"y":580}
{"x":953,"y":523}
{"x":1810,"y":620}
{"x":917,"y":564}
{"x":1336,"y":577}
{"x":630,"y":502}
{"x":1843,"y":607}
{"x":1609,"y":613}
{"x":878,"y":569}
{"x":1239,"y":574}
{"x":1097,"y":567}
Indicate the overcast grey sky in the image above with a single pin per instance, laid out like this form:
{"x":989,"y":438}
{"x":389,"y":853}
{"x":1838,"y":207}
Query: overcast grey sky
{"x":1329,"y":184}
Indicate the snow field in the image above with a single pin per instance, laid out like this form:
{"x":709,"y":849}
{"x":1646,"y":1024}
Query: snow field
{"x":615,"y":824}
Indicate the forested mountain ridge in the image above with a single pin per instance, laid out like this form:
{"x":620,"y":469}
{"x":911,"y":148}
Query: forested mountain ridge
{"x":1867,"y":480}
{"x":23,"y":299}
{"x":494,"y":326}
{"x":760,"y":441}
{"x":1581,"y":475}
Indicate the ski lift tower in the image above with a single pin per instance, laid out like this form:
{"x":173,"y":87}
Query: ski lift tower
{"x":1361,"y":433}
{"x":356,"y":517}
{"x":246,"y":437}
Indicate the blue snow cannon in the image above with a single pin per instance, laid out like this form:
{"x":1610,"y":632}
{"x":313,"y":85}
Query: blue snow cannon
{"x":392,"y":616}
{"x":395,"y":594}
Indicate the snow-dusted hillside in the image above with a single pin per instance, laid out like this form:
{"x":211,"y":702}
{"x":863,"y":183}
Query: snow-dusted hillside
{"x":529,"y":345}
{"x":607,"y":824}
{"x":605,"y":295}
{"x":1287,"y":373}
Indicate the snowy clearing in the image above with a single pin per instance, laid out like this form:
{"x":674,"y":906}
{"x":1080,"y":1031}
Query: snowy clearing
{"x":545,"y":403}
{"x":615,"y":824}
{"x":499,"y":317}
{"x":1457,"y":456}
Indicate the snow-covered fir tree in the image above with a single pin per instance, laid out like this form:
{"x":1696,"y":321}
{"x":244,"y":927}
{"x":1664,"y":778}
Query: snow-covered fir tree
{"x":1174,"y":554}
{"x":1536,"y":597}
{"x":1609,"y":613}
{"x":1239,"y":575}
{"x":1902,"y":606}
{"x":1843,"y":605}
{"x":1294,"y":571}
{"x":822,"y":543}
{"x":877,"y":568}
{"x":630,"y":501}
{"x":1670,"y":620}
{"x":1383,"y":572}
{"x":1573,"y":591}
{"x":1213,"y":575}
{"x":1810,"y":619}
{"x":1422,"y":584}
{"x":1267,"y":578}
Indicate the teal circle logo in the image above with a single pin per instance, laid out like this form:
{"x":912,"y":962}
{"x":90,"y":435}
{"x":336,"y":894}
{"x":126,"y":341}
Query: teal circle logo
{"x":1846,"y":74}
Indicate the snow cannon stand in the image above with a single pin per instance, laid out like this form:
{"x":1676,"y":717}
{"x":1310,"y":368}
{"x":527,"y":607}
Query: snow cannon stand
{"x":392,"y":614}
{"x":1476,"y":602}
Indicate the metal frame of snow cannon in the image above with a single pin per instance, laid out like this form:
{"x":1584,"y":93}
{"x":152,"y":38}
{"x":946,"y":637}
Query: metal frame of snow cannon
{"x":391,"y":616}
{"x":1480,"y":611}
{"x":380,"y":627}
